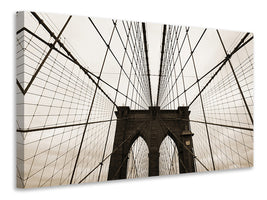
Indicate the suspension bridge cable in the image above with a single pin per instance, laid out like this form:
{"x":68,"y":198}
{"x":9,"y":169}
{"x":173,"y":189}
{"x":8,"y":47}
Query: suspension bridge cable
{"x":201,"y":100}
{"x":116,"y":59}
{"x":161,"y":61}
{"x":111,"y":116}
{"x":114,"y":150}
{"x":237,"y":82}
{"x":69,"y":54}
{"x":91,"y":106}
{"x":186,"y":148}
{"x":222,"y":65}
{"x":147,"y":62}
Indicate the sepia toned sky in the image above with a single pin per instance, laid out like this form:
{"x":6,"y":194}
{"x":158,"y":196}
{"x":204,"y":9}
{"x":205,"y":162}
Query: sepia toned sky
{"x":49,"y":155}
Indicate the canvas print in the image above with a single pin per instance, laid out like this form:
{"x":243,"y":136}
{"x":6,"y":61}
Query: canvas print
{"x":108,"y":99}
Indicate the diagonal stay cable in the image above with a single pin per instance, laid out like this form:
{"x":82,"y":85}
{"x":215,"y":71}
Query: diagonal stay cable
{"x":213,"y":124}
{"x":110,"y":50}
{"x":176,"y":147}
{"x":70,"y":55}
{"x":173,"y":64}
{"x":114,"y":150}
{"x":112,"y":112}
{"x":63,"y":126}
{"x":179,"y":57}
{"x":75,"y":62}
{"x":133,"y":51}
{"x":132,"y":61}
{"x":237,"y":82}
{"x":185,"y":64}
{"x":72,"y":59}
{"x":215,"y":67}
{"x":135,"y":54}
{"x":241,"y":44}
{"x":44,"y":60}
{"x":202,"y":104}
{"x":91,"y":107}
{"x":210,"y":71}
{"x":119,"y":168}
{"x":186,"y":148}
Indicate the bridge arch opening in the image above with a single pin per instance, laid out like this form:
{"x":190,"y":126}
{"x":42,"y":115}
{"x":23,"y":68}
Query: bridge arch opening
{"x":169,"y":157}
{"x":138,"y":161}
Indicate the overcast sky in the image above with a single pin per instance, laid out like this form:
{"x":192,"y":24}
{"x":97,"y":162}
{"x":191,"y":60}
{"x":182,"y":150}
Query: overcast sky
{"x":50,"y":102}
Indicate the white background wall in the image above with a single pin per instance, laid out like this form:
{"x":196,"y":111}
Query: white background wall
{"x":241,"y":15}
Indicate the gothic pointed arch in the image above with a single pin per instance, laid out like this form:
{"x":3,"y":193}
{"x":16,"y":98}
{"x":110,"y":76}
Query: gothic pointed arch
{"x":169,"y":157}
{"x":149,"y":127}
{"x":137,"y":160}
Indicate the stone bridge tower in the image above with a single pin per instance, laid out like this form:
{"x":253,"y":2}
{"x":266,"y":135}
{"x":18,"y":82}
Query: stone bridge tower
{"x":153,"y":126}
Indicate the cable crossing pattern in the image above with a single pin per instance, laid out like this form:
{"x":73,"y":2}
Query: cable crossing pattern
{"x":74,"y":72}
